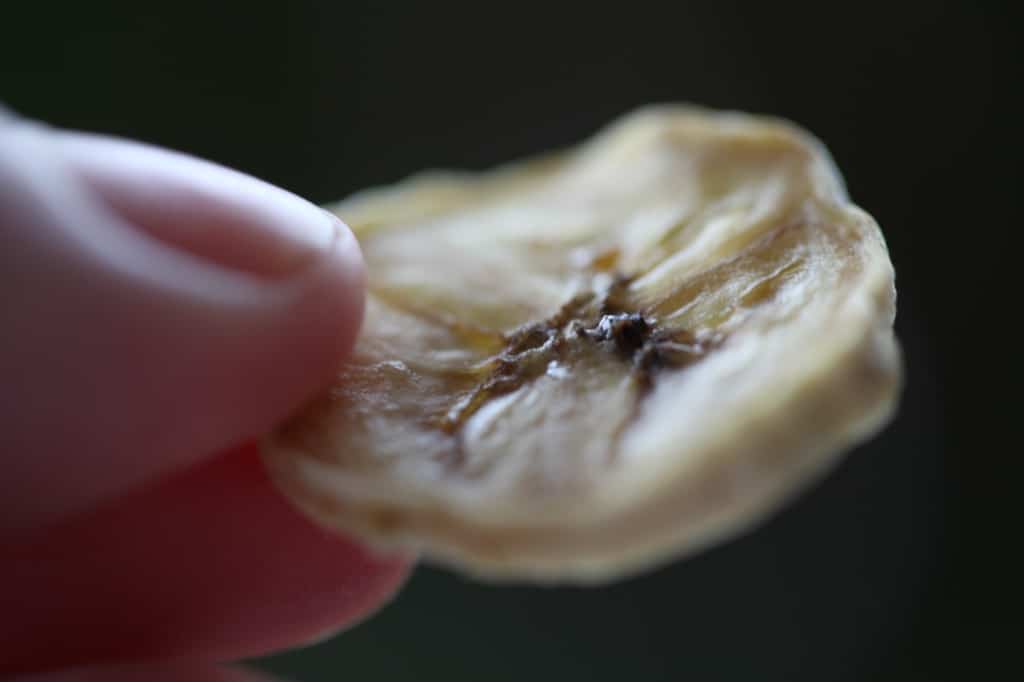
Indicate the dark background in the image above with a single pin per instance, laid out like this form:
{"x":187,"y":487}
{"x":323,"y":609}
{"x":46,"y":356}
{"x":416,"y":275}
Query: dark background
{"x":858,"y":579}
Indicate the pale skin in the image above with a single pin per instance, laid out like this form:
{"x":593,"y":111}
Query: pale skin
{"x":159,"y":314}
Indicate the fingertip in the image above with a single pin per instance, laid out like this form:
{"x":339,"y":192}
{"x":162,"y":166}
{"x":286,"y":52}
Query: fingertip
{"x":203,"y":306}
{"x":340,"y":282}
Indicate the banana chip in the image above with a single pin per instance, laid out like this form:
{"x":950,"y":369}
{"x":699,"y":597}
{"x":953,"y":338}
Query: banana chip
{"x":577,"y":367}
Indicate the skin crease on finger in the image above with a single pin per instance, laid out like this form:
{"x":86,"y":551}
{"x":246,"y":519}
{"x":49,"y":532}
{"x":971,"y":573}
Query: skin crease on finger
{"x":142,"y":328}
{"x":212,"y":564}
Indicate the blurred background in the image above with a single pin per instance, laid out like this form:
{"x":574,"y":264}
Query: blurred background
{"x":856,"y":580}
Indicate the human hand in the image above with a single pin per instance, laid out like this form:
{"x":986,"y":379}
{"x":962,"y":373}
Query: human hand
{"x":158,"y":314}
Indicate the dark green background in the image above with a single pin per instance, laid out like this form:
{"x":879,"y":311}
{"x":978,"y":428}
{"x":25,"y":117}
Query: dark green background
{"x":853,"y":581}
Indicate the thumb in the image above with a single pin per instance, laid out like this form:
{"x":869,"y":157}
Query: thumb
{"x":155,"y":309}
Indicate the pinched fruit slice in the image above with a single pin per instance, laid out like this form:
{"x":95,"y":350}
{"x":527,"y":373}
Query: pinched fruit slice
{"x":578,"y":366}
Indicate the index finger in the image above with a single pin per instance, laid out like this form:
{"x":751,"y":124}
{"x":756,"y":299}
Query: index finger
{"x":212,"y":564}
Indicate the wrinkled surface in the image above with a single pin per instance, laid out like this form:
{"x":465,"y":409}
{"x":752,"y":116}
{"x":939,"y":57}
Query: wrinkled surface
{"x":577,"y":366}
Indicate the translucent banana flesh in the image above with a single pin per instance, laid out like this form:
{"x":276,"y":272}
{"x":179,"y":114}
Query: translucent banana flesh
{"x":579,"y":366}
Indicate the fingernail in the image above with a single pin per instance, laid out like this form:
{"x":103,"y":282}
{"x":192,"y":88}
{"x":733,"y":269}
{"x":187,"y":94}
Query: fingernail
{"x":212,"y":212}
{"x":277,"y":246}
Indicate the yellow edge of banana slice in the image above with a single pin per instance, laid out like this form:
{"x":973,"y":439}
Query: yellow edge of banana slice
{"x":577,"y":367}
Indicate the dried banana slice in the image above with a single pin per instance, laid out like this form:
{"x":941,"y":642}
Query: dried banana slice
{"x":579,"y":366}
